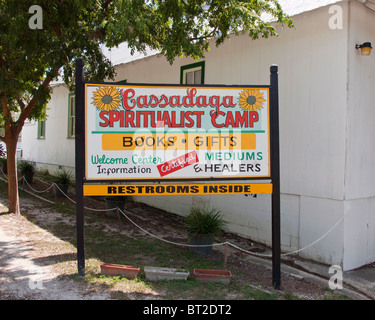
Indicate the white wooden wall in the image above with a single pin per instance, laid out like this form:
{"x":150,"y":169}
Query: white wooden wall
{"x":359,"y":192}
{"x":56,"y":148}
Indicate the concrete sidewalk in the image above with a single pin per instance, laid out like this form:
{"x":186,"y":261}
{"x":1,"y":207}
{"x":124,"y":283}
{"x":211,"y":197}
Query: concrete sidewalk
{"x":357,"y":284}
{"x":359,"y":281}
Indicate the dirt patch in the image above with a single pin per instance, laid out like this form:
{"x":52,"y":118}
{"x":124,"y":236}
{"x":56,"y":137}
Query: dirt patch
{"x":26,"y":266}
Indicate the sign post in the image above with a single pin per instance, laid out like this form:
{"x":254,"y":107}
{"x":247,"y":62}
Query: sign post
{"x":275,"y":174}
{"x":80,"y":165}
{"x":189,"y":139}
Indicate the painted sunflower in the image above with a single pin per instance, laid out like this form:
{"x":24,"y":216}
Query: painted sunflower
{"x":251,"y":100}
{"x":106,"y":98}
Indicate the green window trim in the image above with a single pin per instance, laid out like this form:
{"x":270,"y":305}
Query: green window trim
{"x":41,"y":129}
{"x":71,"y":116}
{"x":71,"y":113}
{"x":198,"y":66}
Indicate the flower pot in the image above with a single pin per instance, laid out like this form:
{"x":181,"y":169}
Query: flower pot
{"x":203,"y":243}
{"x":119,"y":270}
{"x":156,"y":274}
{"x":61,"y":189}
{"x":210,"y":276}
{"x":29,"y":177}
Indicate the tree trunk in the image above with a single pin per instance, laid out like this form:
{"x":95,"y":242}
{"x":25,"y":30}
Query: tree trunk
{"x":12,"y":174}
{"x":12,"y":131}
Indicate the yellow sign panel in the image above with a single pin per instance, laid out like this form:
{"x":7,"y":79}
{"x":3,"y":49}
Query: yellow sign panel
{"x":175,"y":189}
{"x":179,"y":141}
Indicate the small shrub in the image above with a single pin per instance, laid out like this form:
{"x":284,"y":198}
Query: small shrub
{"x":26,"y":166}
{"x":204,"y":221}
{"x":63,"y":177}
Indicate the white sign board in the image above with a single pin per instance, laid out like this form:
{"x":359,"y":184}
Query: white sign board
{"x":153,"y":132}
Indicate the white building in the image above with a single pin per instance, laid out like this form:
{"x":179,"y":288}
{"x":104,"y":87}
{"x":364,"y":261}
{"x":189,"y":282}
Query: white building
{"x":327,"y":148}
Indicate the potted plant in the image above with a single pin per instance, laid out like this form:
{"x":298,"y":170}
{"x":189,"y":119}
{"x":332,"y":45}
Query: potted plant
{"x":113,"y":202}
{"x":62,"y":179}
{"x":27,"y":169}
{"x":202,"y":225}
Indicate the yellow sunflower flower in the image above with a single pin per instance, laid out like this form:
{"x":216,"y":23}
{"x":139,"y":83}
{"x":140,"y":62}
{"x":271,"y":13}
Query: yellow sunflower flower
{"x":106,"y":98}
{"x":251,"y":100}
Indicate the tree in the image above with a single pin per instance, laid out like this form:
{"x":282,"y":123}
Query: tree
{"x":40,"y":40}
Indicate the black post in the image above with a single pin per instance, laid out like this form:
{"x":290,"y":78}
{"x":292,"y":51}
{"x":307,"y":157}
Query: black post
{"x":80,"y":165}
{"x":275,"y":175}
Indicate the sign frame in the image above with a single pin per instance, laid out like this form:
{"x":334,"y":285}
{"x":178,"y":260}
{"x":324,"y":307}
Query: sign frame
{"x":274,"y":172}
{"x":267,"y":88}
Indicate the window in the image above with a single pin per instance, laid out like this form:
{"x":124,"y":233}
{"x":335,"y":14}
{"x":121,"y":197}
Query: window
{"x":41,"y":129}
{"x":192,"y":73}
{"x":71,"y":116}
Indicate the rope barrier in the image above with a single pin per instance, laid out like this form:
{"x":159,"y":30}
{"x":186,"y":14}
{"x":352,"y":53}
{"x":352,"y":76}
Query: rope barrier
{"x":171,"y":242}
{"x":92,"y":209}
{"x":167,"y":241}
{"x":37,"y":191}
{"x":35,"y":195}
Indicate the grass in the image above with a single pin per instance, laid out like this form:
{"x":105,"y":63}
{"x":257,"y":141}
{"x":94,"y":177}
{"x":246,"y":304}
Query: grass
{"x":115,"y":247}
{"x":257,"y":294}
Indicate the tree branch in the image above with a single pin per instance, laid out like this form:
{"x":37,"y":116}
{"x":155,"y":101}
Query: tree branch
{"x":28,"y":109}
{"x":7,"y":115}
{"x":4,"y":106}
{"x":21,"y":103}
{"x":105,"y":5}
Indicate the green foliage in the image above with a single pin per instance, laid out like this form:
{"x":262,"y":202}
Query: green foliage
{"x":77,"y":28}
{"x":183,"y":27}
{"x":63,"y":177}
{"x":204,"y":221}
{"x":29,"y":56}
{"x":26,"y":166}
{"x":257,"y":294}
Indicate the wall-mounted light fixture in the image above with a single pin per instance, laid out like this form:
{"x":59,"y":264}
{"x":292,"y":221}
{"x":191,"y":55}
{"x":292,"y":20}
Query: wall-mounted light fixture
{"x":365,"y":48}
